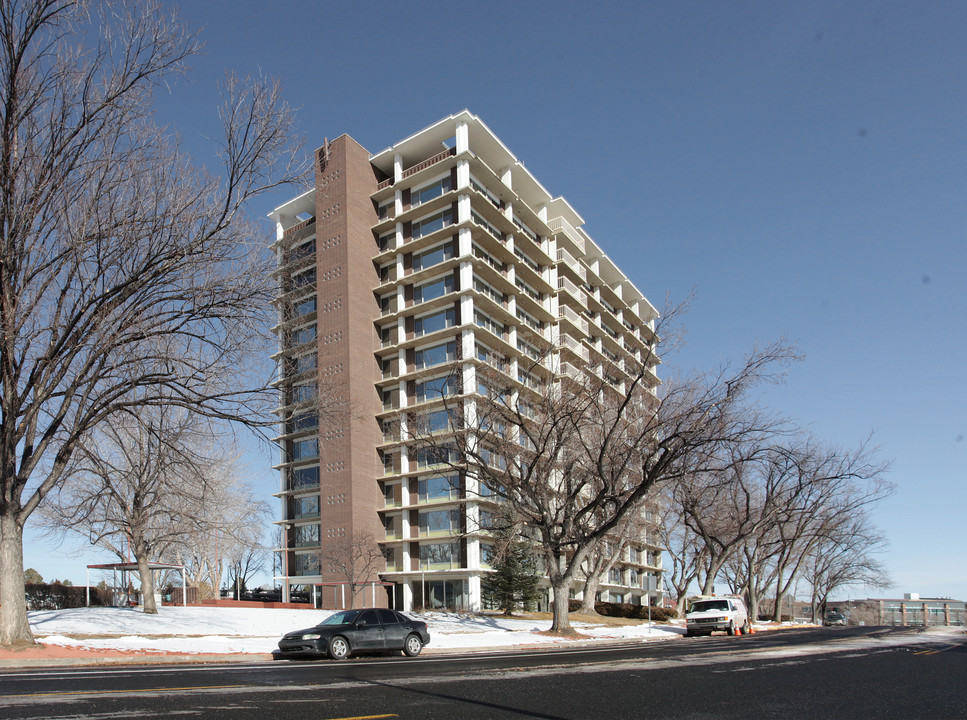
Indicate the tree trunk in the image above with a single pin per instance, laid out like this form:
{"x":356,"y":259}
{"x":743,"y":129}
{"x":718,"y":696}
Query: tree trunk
{"x":680,"y":604}
{"x":14,"y":628}
{"x":590,"y":591}
{"x":147,"y":583}
{"x":561,"y":624}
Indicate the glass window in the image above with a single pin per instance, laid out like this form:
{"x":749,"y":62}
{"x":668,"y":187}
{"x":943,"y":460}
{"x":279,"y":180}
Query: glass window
{"x":387,"y":303}
{"x":435,"y":388}
{"x":436,"y":321}
{"x":305,"y":477}
{"x":304,"y":278}
{"x":439,"y":522}
{"x":302,"y":449}
{"x":368,"y":617}
{"x":433,"y":223}
{"x":433,"y":289}
{"x":432,"y":257}
{"x":306,"y":564}
{"x":304,"y":307}
{"x":304,"y":363}
{"x":388,"y":617}
{"x":439,"y":487}
{"x":439,"y":421}
{"x":428,"y":457}
{"x":306,"y":535}
{"x":486,"y":554}
{"x":435,"y":355}
{"x":486,"y":520}
{"x":304,"y":334}
{"x":302,"y":251}
{"x":303,"y":393}
{"x":484,"y":289}
{"x":425,"y":194}
{"x":439,"y":555}
{"x":488,"y":323}
{"x":308,"y":505}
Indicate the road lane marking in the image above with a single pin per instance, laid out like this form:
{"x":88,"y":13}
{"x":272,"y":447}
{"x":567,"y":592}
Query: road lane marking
{"x":365,"y":717}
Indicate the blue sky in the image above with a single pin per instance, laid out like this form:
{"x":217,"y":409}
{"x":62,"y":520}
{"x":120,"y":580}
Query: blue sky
{"x":801,"y":166}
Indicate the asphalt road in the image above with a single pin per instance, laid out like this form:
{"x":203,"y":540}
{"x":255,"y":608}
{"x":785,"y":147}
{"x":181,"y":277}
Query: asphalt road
{"x":818,"y":673}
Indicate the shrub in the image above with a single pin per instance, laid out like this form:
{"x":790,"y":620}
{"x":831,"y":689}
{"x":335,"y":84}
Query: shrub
{"x":627,"y":610}
{"x":55,"y":596}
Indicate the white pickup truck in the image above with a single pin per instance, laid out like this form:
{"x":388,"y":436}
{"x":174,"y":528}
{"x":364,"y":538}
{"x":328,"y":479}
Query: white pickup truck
{"x":709,"y":614}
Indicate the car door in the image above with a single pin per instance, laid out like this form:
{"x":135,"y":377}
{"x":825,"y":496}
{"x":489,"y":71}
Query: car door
{"x":393,"y":629}
{"x":368,"y":632}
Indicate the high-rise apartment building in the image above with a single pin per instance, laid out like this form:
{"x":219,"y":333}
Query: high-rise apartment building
{"x":398,"y":271}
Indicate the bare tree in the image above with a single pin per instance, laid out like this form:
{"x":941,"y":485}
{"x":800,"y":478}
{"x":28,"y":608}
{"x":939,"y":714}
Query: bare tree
{"x":762,"y":512}
{"x":579,"y":453}
{"x":134,"y":486}
{"x":687,"y":553}
{"x":356,"y":558}
{"x":606,"y":553}
{"x":126,"y":273}
{"x":225,"y":535}
{"x":847,"y":556}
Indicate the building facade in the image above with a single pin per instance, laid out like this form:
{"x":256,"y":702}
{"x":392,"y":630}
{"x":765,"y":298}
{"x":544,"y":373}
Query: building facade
{"x":398,"y":271}
{"x":910,"y":610}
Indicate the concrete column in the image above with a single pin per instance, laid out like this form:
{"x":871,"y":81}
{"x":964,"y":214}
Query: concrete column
{"x":466,"y":276}
{"x":463,"y":208}
{"x":466,"y":310}
{"x":475,"y":593}
{"x":462,"y":137}
{"x":463,"y":174}
{"x":464,"y":242}
{"x":507,"y":177}
{"x":397,"y":167}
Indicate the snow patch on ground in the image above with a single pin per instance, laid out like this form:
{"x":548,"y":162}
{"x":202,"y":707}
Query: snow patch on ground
{"x":194,"y":630}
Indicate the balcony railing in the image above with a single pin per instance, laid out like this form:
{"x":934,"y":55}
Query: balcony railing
{"x":560,"y":225}
{"x":563,"y":256}
{"x":573,"y":290}
{"x":566,"y":313}
{"x":450,"y":152}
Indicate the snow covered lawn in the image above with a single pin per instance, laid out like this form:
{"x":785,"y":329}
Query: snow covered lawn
{"x":256,"y":630}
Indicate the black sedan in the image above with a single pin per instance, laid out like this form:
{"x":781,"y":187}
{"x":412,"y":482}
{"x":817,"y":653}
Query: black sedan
{"x":356,"y":631}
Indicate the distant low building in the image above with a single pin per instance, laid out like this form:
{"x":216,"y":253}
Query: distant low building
{"x":911,"y":610}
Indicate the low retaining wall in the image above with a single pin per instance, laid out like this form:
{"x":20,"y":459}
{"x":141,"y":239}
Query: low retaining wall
{"x":221,"y":602}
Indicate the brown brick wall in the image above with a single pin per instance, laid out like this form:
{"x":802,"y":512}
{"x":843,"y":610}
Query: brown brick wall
{"x":349,"y":462}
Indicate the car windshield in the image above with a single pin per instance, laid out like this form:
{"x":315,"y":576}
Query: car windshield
{"x":706,"y":605}
{"x":341,"y":618}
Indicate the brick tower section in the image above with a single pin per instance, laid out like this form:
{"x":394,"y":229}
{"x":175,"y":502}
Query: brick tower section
{"x":347,"y":308}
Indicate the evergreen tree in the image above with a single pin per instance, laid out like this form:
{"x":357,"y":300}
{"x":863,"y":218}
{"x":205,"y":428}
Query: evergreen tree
{"x":513,"y":584}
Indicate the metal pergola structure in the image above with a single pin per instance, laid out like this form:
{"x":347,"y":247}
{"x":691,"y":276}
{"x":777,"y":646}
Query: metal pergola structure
{"x":133,"y":566}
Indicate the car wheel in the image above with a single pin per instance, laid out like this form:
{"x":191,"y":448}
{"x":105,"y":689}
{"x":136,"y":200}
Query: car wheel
{"x":731,"y":630}
{"x":339,"y":648}
{"x":412,"y":646}
{"x":688,"y":633}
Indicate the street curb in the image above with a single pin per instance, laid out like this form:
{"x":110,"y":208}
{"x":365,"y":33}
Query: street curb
{"x":159,"y":659}
{"x":216,"y":658}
